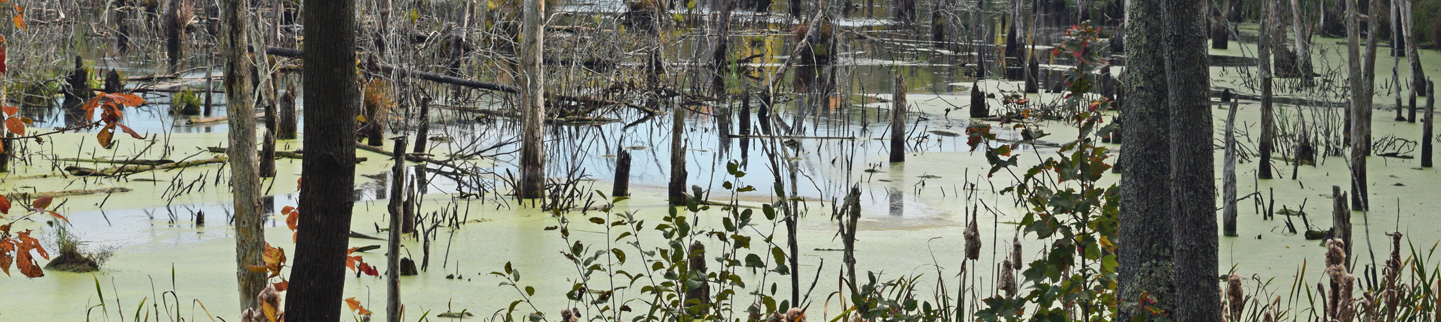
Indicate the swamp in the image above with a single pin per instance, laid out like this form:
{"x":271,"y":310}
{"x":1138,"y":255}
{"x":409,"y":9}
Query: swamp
{"x":719,"y":160}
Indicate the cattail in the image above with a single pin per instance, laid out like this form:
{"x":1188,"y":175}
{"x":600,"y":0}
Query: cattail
{"x":1235,"y":297}
{"x":795,"y":314}
{"x":571,"y":315}
{"x":252,"y":315}
{"x":1008,"y":279}
{"x":1393,"y":265}
{"x":1335,"y":252}
{"x":973,"y":239}
{"x":1345,"y":309}
{"x":1016,"y":253}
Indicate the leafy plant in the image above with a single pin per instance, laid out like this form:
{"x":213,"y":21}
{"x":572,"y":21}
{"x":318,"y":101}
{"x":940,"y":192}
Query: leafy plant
{"x":1064,"y":204}
{"x":110,"y":105}
{"x":18,"y":247}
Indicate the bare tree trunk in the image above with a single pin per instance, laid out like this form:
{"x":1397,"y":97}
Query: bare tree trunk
{"x":422,"y":131}
{"x":678,"y":173}
{"x":898,"y":119}
{"x":532,"y":151}
{"x":1193,"y":185}
{"x":851,"y":213}
{"x":1268,"y":118}
{"x":267,"y":150}
{"x":392,"y":256}
{"x":1228,"y":173}
{"x":332,"y":98}
{"x":245,"y":178}
{"x":287,"y":114}
{"x":1426,"y":128}
{"x":1302,"y":31}
{"x":1418,"y":74}
{"x":174,"y":32}
{"x":1144,"y":222}
{"x":1362,"y":89}
{"x":622,"y":174}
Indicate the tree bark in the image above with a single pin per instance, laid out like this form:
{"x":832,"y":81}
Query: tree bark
{"x":174,"y":32}
{"x":317,"y":277}
{"x":1362,"y":88}
{"x":1145,"y":264}
{"x":1418,"y":74}
{"x":622,"y":174}
{"x":267,"y":151}
{"x":532,"y":151}
{"x":422,"y":131}
{"x":1192,"y":184}
{"x":245,"y":178}
{"x":392,"y":256}
{"x":1302,"y":32}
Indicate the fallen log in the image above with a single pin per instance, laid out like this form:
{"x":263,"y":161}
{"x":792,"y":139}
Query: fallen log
{"x":66,"y":193}
{"x":297,"y":154}
{"x":130,"y":169}
{"x":385,"y":68}
{"x":218,"y":119}
{"x":101,"y":160}
{"x":571,"y":120}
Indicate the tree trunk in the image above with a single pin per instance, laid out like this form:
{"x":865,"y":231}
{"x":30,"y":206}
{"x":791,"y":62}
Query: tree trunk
{"x":1341,"y":220}
{"x":622,"y":174}
{"x":1426,"y":128}
{"x":1362,"y":88}
{"x":1192,"y":180}
{"x":287,"y":114}
{"x":851,"y":213}
{"x":267,"y":151}
{"x":392,"y":256}
{"x":1145,"y":266}
{"x":1302,"y":31}
{"x":678,"y":174}
{"x":1418,"y":74}
{"x":532,"y":150}
{"x":422,"y":131}
{"x":898,"y":120}
{"x":209,"y":90}
{"x":1268,"y":118}
{"x":317,"y":278}
{"x":245,"y":178}
{"x":1228,"y":173}
{"x":174,"y":32}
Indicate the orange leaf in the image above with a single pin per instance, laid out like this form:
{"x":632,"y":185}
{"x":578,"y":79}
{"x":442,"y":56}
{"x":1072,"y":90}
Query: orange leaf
{"x":6,"y":247}
{"x":27,"y":265}
{"x":257,"y":269}
{"x":42,"y":202}
{"x":28,"y":121}
{"x":126,"y":99}
{"x":287,"y":209}
{"x":274,"y":258}
{"x":28,"y":243}
{"x":15,"y":125}
{"x":269,"y":311}
{"x":4,"y":205}
{"x":90,"y":107}
{"x":57,"y":215}
{"x":12,"y":111}
{"x":350,"y":261}
{"x":369,"y":270}
{"x":282,"y":286}
{"x":354,"y":305}
{"x":105,"y":135}
{"x":19,"y":19}
{"x":292,"y":220}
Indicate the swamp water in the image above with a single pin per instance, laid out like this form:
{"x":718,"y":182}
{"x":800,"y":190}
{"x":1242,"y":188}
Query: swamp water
{"x":913,"y":212}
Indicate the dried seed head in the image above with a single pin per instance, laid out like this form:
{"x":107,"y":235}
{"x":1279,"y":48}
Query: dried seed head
{"x":973,"y":240}
{"x":1235,"y":296}
{"x":1008,"y":279}
{"x":1016,"y":253}
{"x":1335,"y":252}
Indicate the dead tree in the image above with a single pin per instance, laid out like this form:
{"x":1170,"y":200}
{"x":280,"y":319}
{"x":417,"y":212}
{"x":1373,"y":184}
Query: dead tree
{"x":532,"y":153}
{"x":1426,"y":128}
{"x":1228,"y":173}
{"x":245,"y":178}
{"x":174,"y":25}
{"x":676,"y":191}
{"x":898,"y":120}
{"x":392,"y":255}
{"x":1268,"y":118}
{"x":287,"y":114}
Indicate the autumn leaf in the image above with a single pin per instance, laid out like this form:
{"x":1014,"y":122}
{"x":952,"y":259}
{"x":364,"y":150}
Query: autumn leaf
{"x":105,"y":135}
{"x":125,"y":99}
{"x":351,"y":260}
{"x":12,"y":111}
{"x":41,"y":203}
{"x":57,"y":215}
{"x":90,"y":107}
{"x":292,"y":218}
{"x":274,"y":258}
{"x":19,"y":19}
{"x":355,"y":306}
{"x":270,"y":311}
{"x":4,"y":205}
{"x":6,"y":248}
{"x":369,"y":270}
{"x":15,"y":125}
{"x":132,"y":133}
{"x":282,"y":285}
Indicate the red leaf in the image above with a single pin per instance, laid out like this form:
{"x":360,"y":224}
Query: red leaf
{"x":2,"y":56}
{"x":6,"y":247}
{"x":15,"y":125}
{"x":282,"y":286}
{"x":132,"y":133}
{"x":368,"y":270}
{"x":292,"y":219}
{"x":41,"y":203}
{"x":4,"y":205}
{"x":90,"y":107}
{"x":11,"y":110}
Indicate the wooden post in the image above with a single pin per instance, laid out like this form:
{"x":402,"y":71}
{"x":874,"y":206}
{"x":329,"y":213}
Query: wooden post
{"x":423,"y":130}
{"x":532,"y":153}
{"x":287,"y":114}
{"x":1341,"y":219}
{"x":1228,"y":173}
{"x":677,"y":157}
{"x":1426,"y":128}
{"x":392,"y":256}
{"x":898,"y":120}
{"x":622,"y":174}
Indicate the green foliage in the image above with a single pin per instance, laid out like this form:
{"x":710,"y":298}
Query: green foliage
{"x":186,"y":103}
{"x":1064,"y":204}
